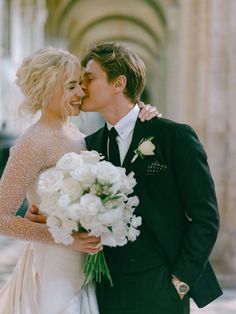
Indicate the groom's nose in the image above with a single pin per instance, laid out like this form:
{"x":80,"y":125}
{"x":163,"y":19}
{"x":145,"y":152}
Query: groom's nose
{"x":82,"y":84}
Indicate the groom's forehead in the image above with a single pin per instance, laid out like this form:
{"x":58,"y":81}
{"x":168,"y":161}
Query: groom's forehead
{"x":93,"y":67}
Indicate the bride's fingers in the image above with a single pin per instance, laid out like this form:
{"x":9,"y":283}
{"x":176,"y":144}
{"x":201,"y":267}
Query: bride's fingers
{"x":35,"y":217}
{"x":148,"y":112}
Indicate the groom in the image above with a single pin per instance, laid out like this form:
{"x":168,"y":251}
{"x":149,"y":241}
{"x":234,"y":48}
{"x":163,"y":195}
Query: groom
{"x":168,"y":263}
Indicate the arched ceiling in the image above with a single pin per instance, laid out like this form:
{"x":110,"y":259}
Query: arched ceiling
{"x":140,"y":23}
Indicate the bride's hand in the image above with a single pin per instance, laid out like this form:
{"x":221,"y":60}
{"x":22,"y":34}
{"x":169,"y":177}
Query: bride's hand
{"x":83,"y":242}
{"x":148,"y":112}
{"x":33,"y":215}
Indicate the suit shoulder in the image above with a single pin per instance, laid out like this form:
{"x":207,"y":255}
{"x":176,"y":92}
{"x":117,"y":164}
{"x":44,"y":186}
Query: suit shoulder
{"x":170,"y":126}
{"x":93,"y":136}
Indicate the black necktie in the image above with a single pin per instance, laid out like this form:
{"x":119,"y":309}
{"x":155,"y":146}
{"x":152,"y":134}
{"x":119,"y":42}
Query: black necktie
{"x":114,"y":154}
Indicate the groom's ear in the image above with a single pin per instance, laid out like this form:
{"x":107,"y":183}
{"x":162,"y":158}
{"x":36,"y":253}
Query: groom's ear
{"x":120,"y":83}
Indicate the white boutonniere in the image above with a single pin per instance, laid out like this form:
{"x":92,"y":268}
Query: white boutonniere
{"x":145,"y":148}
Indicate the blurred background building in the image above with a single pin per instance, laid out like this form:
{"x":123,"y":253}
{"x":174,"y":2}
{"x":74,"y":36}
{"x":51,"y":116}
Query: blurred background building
{"x":189,"y":47}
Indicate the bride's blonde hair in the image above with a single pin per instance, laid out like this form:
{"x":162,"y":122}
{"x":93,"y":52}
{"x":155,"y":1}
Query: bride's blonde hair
{"x":40,"y":72}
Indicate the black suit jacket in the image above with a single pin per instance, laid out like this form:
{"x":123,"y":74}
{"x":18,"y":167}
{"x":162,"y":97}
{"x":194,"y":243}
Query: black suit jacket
{"x":177,"y":204}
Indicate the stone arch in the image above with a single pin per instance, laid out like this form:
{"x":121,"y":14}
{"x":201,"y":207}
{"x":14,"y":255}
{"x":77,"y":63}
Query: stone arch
{"x":141,"y":24}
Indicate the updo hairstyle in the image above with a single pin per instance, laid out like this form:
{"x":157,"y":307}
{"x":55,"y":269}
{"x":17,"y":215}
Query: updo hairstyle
{"x":40,"y":72}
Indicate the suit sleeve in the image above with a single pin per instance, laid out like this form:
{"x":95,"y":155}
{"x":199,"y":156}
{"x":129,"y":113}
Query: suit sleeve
{"x":197,"y":192}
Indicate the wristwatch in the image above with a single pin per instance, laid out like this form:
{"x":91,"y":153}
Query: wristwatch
{"x":181,"y":287}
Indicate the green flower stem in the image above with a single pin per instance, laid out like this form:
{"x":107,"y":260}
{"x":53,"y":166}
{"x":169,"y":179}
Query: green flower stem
{"x":95,"y":267}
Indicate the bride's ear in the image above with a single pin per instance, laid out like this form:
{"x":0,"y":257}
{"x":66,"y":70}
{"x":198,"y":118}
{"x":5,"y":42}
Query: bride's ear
{"x":120,"y":83}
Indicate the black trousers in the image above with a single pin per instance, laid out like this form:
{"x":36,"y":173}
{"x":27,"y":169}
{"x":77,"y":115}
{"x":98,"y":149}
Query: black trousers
{"x":147,"y":292}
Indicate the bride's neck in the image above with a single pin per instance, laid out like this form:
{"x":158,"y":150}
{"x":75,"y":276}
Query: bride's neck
{"x":53,"y":121}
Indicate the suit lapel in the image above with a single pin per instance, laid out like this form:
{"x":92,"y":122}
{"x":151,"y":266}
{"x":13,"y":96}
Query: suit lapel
{"x":141,"y":130}
{"x":98,"y":141}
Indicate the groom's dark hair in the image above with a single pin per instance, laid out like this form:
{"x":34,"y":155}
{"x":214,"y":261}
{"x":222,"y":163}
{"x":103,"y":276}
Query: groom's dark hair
{"x":116,"y":59}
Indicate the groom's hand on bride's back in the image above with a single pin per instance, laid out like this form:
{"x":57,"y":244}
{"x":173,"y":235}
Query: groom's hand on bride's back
{"x":33,"y":214}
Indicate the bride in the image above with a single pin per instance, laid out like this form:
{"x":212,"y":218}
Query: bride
{"x":48,"y":278}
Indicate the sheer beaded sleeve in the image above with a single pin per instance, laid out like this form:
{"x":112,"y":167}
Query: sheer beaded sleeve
{"x":26,"y":161}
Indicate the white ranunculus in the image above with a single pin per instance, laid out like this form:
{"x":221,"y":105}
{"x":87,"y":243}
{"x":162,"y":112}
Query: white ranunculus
{"x":98,"y":230}
{"x":50,"y":181}
{"x":86,"y":175}
{"x":72,"y":187}
{"x":108,"y":173}
{"x":73,"y":211}
{"x":49,"y":203}
{"x":111,"y":216}
{"x":69,"y":162}
{"x":147,"y":148}
{"x":114,"y":203}
{"x":61,"y":229}
{"x":90,"y":157}
{"x":64,"y":201}
{"x":90,"y":205}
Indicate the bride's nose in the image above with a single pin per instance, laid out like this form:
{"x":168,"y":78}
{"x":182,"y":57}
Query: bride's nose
{"x":79,"y":91}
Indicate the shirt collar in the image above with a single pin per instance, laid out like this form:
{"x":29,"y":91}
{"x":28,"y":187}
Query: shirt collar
{"x":126,"y":125}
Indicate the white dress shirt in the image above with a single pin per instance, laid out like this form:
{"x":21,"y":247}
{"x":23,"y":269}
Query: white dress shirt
{"x":125,"y":128}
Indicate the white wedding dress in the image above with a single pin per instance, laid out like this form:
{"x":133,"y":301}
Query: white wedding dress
{"x":48,"y":278}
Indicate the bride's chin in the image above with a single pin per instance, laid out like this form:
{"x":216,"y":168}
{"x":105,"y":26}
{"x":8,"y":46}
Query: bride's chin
{"x":75,"y":112}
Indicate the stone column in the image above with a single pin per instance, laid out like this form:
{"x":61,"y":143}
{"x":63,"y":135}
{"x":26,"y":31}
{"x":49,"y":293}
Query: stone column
{"x":221,"y":130}
{"x":205,"y":98}
{"x":26,"y":35}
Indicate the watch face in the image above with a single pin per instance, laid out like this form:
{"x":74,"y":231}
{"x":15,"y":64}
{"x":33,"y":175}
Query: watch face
{"x":183,"y":288}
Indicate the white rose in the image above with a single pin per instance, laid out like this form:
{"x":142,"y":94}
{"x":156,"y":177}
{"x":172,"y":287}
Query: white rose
{"x":69,"y":162}
{"x":72,"y":187}
{"x":146,"y":148}
{"x":50,"y":181}
{"x":86,"y":174}
{"x":90,"y":157}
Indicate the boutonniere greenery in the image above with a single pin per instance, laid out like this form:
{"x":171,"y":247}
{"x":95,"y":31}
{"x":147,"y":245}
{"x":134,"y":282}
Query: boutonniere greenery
{"x":145,"y":148}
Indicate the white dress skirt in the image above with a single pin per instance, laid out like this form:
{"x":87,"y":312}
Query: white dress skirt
{"x":48,"y":279}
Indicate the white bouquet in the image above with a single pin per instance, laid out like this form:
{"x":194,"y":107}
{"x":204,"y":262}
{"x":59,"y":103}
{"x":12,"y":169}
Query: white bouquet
{"x":84,"y":192}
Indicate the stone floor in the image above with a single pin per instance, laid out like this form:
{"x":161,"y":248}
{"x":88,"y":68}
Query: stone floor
{"x":10,"y":251}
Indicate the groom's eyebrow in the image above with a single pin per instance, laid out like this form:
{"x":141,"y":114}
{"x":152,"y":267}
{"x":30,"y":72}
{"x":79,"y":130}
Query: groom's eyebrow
{"x":86,"y":74}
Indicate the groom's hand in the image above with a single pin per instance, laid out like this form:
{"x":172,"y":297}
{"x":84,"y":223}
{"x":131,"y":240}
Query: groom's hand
{"x":33,"y":215}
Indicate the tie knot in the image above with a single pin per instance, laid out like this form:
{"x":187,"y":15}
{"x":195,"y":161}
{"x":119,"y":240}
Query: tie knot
{"x":113,"y":133}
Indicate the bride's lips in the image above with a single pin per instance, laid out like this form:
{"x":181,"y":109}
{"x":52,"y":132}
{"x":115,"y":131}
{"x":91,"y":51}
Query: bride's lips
{"x":76,"y":103}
